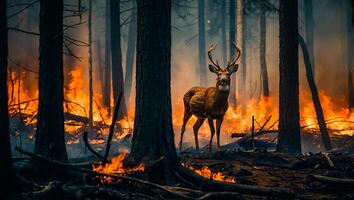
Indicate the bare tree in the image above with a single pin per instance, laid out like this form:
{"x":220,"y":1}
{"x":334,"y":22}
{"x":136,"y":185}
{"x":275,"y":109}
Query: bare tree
{"x":90,"y":67}
{"x":107,"y":60}
{"x":262,"y":49}
{"x":289,"y":140}
{"x":310,"y":24}
{"x":239,"y":41}
{"x":232,"y":36}
{"x":202,"y":48}
{"x":50,"y":140}
{"x":153,"y":131}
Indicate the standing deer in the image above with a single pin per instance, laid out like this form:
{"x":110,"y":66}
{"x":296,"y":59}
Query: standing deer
{"x":209,"y":103}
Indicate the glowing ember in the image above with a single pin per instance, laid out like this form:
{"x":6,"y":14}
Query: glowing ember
{"x":209,"y":174}
{"x":116,"y":167}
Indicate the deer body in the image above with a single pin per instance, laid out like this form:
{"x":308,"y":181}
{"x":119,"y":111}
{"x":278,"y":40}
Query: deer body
{"x":209,"y":103}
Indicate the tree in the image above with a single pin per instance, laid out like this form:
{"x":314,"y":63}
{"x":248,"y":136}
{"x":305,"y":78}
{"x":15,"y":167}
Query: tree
{"x":262,"y":49}
{"x":50,"y":139}
{"x":107,"y":60}
{"x":223,"y":31}
{"x":90,"y":67}
{"x":232,"y":35}
{"x":239,"y":41}
{"x":310,"y":24}
{"x":153,"y":132}
{"x":201,"y":31}
{"x":350,"y":48}
{"x":289,"y":140}
{"x":116,"y":56}
{"x":6,"y":172}
{"x":129,"y":62}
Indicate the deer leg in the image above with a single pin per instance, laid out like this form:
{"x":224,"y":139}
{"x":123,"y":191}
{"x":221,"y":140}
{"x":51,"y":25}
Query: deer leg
{"x":212,"y":131}
{"x":186,"y":117}
{"x":218,"y":126}
{"x":196,"y":127}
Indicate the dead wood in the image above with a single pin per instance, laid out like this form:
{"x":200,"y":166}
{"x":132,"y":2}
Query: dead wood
{"x":87,"y":144}
{"x":221,"y":195}
{"x":329,"y":160}
{"x":211,"y":185}
{"x":247,"y":136}
{"x":84,"y":191}
{"x":332,"y":180}
{"x":69,"y":116}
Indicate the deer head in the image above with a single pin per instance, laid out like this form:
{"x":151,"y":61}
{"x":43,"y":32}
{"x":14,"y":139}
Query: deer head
{"x":223,"y":74}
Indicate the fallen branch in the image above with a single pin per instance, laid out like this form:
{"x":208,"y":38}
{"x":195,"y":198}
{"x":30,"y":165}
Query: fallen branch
{"x":85,"y":138}
{"x":249,"y":135}
{"x":329,"y":160}
{"x":332,"y":180}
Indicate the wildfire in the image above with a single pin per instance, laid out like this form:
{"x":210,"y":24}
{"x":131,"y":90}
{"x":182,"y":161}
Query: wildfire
{"x":206,"y":172}
{"x":116,"y":167}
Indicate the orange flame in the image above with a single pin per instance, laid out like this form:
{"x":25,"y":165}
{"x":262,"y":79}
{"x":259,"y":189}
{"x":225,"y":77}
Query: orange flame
{"x":206,"y":172}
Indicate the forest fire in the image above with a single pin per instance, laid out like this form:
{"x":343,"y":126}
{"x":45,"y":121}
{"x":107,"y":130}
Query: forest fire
{"x":206,"y":172}
{"x":116,"y":167}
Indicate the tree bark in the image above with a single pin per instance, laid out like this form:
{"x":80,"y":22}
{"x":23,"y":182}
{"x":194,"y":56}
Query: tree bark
{"x":350,"y":61}
{"x":263,"y":49}
{"x":310,"y":24}
{"x":232,"y":35}
{"x":239,"y":42}
{"x":153,"y":133}
{"x":90,"y":68}
{"x":223,"y":32}
{"x":129,"y":63}
{"x":117,"y":69}
{"x":289,"y":140}
{"x":107,"y":60}
{"x":202,"y":48}
{"x":316,"y":100}
{"x":50,"y":139}
{"x":6,"y":172}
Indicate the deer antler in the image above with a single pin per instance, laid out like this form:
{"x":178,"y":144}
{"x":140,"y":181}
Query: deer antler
{"x":211,"y":48}
{"x":233,"y":61}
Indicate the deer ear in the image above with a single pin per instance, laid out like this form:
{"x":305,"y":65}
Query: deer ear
{"x":213,"y":69}
{"x":233,"y":68}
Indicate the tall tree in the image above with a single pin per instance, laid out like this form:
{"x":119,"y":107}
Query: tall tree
{"x":129,"y":62}
{"x":289,"y":140}
{"x":201,"y":31}
{"x":232,"y":35}
{"x":6,"y":172}
{"x":116,"y":56}
{"x":239,"y":41}
{"x":90,"y":67}
{"x":223,"y":31}
{"x":107,"y":60}
{"x":50,"y":139}
{"x":350,"y":49}
{"x":310,"y":24}
{"x":263,"y":48}
{"x":153,"y":131}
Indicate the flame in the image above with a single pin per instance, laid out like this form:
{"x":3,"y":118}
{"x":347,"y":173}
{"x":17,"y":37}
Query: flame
{"x":206,"y":172}
{"x":116,"y":167}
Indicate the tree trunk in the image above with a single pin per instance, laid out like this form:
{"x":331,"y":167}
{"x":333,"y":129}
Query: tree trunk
{"x":316,"y":100}
{"x":100,"y":67}
{"x":129,"y":62}
{"x":239,"y":39}
{"x":50,"y":140}
{"x":107,"y":60}
{"x":350,"y":61}
{"x":223,"y":32}
{"x":232,"y":35}
{"x":90,"y":67}
{"x":262,"y":49}
{"x":153,"y":133}
{"x":202,"y":48}
{"x":117,"y":69}
{"x":310,"y":24}
{"x":289,"y":140}
{"x":6,"y":172}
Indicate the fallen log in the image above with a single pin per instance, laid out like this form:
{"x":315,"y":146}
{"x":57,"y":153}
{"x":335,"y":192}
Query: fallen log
{"x":247,"y":136}
{"x":333,"y":180}
{"x":211,"y":185}
{"x":69,"y":116}
{"x":84,"y":191}
{"x":87,"y":144}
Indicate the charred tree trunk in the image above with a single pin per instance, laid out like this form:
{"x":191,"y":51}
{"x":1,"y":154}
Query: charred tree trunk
{"x":107,"y":60}
{"x":129,"y":62}
{"x":310,"y":24}
{"x":223,"y":32}
{"x":240,"y":34}
{"x":202,"y":49}
{"x":316,"y":100}
{"x":50,"y":139}
{"x":6,"y":172}
{"x":90,"y":68}
{"x":262,"y":49}
{"x":289,"y":140}
{"x":232,"y":35}
{"x":350,"y":61}
{"x":100,"y":67}
{"x":153,"y":133}
{"x":117,"y":69}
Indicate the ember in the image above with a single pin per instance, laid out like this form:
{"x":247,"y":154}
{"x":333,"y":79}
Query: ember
{"x":206,"y":172}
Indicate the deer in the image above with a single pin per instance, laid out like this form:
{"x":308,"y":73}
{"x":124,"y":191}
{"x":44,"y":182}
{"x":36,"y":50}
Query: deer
{"x":210,"y":103}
